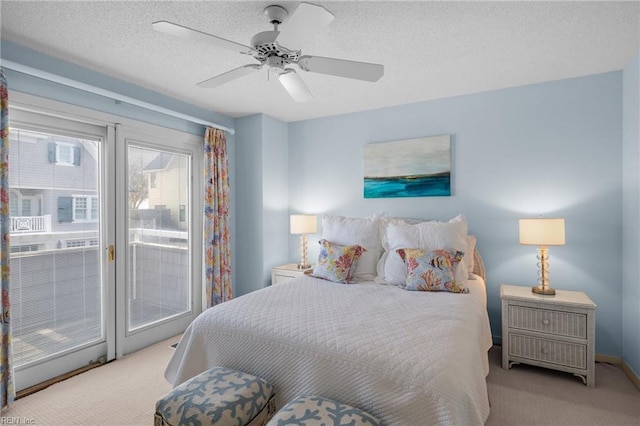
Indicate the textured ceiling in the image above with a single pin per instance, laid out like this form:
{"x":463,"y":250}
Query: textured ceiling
{"x":430,"y":50}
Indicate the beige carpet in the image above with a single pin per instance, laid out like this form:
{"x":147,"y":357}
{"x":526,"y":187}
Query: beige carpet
{"x":526,"y":395}
{"x":124,"y":392}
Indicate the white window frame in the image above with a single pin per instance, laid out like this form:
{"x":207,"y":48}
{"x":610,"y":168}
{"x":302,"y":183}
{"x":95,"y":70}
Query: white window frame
{"x":71,"y":148}
{"x":92,"y":201}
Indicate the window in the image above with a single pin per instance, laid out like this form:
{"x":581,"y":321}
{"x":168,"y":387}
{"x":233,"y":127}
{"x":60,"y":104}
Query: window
{"x":183,"y":213}
{"x":26,"y":207}
{"x":14,"y":198}
{"x":80,"y":243}
{"x":152,"y":180}
{"x":75,"y":243}
{"x":85,"y":209}
{"x":78,"y":208}
{"x":24,"y":248}
{"x":65,"y":154}
{"x":94,"y":208}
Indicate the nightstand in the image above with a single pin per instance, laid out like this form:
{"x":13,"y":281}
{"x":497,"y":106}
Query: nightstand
{"x":556,"y":332}
{"x":280,"y":274}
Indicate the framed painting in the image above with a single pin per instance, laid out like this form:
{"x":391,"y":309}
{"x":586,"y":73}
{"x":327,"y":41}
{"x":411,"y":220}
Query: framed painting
{"x":408,"y":168}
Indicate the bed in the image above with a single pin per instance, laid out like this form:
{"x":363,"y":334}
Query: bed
{"x":406,"y":357}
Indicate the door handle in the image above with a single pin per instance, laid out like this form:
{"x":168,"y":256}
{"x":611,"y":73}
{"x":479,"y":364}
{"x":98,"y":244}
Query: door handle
{"x":112,"y":253}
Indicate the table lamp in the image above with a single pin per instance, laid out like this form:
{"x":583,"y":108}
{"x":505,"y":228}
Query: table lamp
{"x":303,"y":224}
{"x":542,"y":233}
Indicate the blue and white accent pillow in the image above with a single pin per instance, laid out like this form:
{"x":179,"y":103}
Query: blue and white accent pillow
{"x":309,"y":410}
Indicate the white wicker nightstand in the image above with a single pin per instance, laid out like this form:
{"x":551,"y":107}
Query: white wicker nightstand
{"x":280,"y":274}
{"x":556,"y":332}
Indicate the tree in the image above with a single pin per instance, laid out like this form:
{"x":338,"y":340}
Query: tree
{"x":138,"y":187}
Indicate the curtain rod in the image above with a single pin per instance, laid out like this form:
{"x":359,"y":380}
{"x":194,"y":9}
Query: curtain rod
{"x":109,"y":94}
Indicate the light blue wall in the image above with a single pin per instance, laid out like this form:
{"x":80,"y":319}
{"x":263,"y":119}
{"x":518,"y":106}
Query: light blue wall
{"x":261,"y":239}
{"x":248,"y":203}
{"x":275,"y":194}
{"x":553,"y":149}
{"x":631,"y":216}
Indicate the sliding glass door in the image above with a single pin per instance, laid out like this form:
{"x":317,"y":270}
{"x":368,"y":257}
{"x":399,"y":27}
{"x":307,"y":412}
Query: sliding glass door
{"x":58,"y":274}
{"x":106,"y":246}
{"x":157,"y":232}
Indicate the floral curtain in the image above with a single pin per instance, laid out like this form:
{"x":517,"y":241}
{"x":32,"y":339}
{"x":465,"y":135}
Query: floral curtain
{"x":216,"y":219}
{"x":7,"y":391}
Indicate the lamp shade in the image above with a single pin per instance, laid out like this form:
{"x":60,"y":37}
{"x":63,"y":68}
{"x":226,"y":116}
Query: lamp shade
{"x":303,"y":224}
{"x":542,"y":232}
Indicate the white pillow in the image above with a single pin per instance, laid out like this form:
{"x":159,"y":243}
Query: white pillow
{"x":385,"y":221}
{"x":426,"y":235}
{"x":356,"y":230}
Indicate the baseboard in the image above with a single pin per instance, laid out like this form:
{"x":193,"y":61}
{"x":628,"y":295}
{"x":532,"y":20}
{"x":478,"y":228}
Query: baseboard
{"x":616,"y":360}
{"x":631,"y":374}
{"x":608,"y":359}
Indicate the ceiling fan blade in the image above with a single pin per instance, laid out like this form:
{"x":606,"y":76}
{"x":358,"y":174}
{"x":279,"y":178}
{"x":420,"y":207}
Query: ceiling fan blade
{"x":307,"y":20}
{"x":294,"y":85}
{"x":342,"y":68}
{"x":228,"y":76}
{"x":191,"y":34}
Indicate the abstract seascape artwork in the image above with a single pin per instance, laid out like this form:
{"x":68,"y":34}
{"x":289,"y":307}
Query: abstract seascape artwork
{"x":408,"y":168}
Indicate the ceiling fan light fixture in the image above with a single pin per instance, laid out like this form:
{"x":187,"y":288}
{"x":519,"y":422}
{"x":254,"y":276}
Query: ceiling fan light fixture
{"x":294,"y":85}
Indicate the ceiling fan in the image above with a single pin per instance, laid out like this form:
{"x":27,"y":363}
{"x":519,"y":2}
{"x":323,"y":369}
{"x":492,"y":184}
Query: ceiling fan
{"x":277,"y":49}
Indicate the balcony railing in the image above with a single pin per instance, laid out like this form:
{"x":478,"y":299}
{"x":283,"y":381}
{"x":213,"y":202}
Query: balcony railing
{"x":31,"y":224}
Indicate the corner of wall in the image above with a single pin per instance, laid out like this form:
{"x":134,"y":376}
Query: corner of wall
{"x":631,"y":217}
{"x":262,"y":203}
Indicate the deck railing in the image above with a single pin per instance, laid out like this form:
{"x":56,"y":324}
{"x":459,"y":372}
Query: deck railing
{"x":31,"y":223}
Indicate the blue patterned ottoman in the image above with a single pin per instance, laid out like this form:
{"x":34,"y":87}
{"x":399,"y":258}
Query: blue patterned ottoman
{"x":312,"y":410}
{"x":219,"y":396}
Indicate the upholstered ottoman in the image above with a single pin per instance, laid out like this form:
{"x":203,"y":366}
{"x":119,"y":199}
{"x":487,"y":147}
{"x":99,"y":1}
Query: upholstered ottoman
{"x":219,"y":396}
{"x":309,"y":410}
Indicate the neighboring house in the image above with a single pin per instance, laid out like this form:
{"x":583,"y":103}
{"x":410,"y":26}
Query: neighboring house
{"x":167,"y":189}
{"x":54,"y":200}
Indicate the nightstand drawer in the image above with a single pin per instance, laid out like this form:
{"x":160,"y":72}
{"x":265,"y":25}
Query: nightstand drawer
{"x":561,"y":353}
{"x":284,"y":273}
{"x":279,"y":278}
{"x":548,"y":321}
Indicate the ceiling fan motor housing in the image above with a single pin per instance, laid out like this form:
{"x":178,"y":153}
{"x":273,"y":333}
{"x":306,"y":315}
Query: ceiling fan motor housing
{"x":266,"y":46}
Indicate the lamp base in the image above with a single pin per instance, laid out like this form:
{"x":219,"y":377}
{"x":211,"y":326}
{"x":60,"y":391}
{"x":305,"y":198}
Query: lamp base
{"x":548,"y":291}
{"x":302,"y":266}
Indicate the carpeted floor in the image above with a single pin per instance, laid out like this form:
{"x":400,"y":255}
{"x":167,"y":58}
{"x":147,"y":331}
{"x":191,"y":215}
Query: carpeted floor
{"x":527,"y":395}
{"x":124,"y":392}
{"x":120,"y":393}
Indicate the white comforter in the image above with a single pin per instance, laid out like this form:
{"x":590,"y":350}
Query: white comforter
{"x":408,"y":358}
